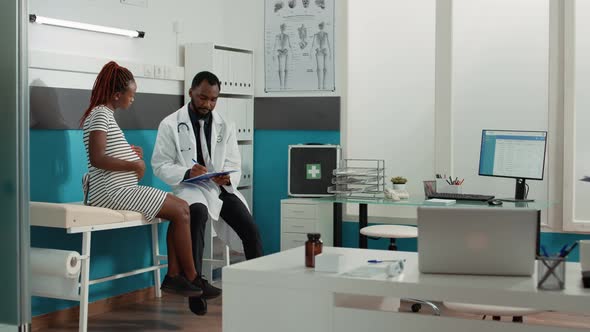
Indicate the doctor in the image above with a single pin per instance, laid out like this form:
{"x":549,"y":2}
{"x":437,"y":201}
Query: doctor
{"x":197,"y":133}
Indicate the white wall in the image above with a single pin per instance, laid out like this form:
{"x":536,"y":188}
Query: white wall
{"x":391,"y":50}
{"x":244,"y":27}
{"x":500,"y":80}
{"x":582,"y":111}
{"x":498,"y":73}
{"x":202,"y":21}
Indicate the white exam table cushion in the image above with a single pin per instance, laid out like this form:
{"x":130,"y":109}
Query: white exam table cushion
{"x":67,"y":215}
{"x":132,"y":216}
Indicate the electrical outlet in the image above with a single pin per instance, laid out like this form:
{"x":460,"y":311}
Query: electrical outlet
{"x":168,"y":73}
{"x":158,"y":71}
{"x":148,"y":71}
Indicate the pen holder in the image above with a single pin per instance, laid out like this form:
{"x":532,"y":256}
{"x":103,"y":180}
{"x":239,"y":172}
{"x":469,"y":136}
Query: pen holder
{"x":442,"y":186}
{"x":429,"y":187}
{"x":551,"y":273}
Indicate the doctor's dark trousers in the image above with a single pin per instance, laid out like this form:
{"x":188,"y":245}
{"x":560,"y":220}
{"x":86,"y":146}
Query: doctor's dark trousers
{"x":236,"y":215}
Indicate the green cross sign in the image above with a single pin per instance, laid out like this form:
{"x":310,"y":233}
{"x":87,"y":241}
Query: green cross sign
{"x":313,"y":171}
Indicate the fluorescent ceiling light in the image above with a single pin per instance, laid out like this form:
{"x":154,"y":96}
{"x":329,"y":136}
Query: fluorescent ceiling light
{"x":84,"y":26}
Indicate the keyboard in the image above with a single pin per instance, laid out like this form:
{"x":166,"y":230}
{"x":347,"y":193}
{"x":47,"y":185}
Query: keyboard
{"x":462,"y":197}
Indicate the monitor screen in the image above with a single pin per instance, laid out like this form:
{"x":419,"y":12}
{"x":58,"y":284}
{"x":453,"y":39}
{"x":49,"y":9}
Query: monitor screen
{"x":513,"y":154}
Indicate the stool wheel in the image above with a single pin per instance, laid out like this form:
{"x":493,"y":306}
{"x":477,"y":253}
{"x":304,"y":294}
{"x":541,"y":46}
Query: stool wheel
{"x":416,"y":307}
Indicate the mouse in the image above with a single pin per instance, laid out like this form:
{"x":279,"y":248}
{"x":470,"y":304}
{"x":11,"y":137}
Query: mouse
{"x":495,"y":202}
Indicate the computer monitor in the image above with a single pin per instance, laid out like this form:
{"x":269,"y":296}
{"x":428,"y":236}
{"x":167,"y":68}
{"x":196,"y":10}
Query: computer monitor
{"x":513,"y":154}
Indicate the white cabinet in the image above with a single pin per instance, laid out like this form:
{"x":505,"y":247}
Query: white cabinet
{"x":234,"y":68}
{"x":247,"y":192}
{"x":247,"y":169}
{"x":300,"y":216}
{"x":249,"y":120}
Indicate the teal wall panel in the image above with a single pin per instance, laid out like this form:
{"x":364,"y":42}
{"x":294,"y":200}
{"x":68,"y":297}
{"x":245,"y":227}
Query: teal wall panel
{"x":270,"y":176}
{"x":58,"y":161}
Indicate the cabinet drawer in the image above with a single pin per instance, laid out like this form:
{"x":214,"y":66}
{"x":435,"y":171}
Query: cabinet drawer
{"x":299,"y":211}
{"x":293,"y":240}
{"x":298,"y":225}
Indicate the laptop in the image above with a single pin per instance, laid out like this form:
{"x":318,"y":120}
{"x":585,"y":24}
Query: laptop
{"x":483,"y":241}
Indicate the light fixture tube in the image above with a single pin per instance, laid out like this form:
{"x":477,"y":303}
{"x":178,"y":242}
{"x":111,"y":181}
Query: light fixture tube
{"x":84,"y":26}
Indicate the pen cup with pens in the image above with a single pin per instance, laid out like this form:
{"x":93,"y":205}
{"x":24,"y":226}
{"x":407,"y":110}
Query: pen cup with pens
{"x":429,"y":188}
{"x":551,"y":268}
{"x":449,"y":185}
{"x":551,"y":273}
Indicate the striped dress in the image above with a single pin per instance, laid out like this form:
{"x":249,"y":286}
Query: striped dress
{"x":117,"y":190}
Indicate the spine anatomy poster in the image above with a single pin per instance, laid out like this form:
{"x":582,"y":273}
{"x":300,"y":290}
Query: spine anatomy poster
{"x":299,"y":45}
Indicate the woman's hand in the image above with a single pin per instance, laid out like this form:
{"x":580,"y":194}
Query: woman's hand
{"x":138,"y":150}
{"x":139,"y":169}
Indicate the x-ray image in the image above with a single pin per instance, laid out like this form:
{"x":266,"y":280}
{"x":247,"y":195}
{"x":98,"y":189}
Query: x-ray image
{"x":302,"y":30}
{"x":299,"y":45}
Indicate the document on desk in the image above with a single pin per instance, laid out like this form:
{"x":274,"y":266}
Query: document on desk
{"x":366,"y":271}
{"x":440,"y":201}
{"x":207,"y":176}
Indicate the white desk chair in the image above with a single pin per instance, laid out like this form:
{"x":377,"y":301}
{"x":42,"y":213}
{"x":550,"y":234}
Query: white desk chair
{"x":393,"y":232}
{"x":496,"y":312}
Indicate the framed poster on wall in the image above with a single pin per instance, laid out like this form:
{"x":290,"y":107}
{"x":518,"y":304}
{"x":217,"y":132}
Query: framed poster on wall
{"x":299,"y":45}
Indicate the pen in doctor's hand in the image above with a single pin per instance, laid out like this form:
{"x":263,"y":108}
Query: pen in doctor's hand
{"x":197,"y":169}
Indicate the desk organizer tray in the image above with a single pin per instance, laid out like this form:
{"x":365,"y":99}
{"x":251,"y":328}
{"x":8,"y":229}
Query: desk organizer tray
{"x":359,"y":178}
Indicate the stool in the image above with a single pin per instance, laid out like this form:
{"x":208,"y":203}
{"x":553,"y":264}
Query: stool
{"x":492,"y":310}
{"x":391,"y":232}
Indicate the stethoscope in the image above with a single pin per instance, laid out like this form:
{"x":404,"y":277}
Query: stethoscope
{"x":187,"y":131}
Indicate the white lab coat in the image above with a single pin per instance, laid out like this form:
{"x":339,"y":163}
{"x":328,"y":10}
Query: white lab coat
{"x":175,"y":149}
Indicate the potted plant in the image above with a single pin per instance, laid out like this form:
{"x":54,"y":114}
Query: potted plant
{"x":399,"y":183}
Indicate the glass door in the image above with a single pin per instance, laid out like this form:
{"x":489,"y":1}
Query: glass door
{"x":14,"y":168}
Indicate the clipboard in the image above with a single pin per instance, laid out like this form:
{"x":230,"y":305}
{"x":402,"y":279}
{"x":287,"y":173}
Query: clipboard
{"x":207,"y":176}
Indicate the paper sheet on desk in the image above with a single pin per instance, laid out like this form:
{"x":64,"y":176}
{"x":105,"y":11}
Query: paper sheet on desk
{"x":207,"y":176}
{"x":366,"y":271}
{"x":380,"y":271}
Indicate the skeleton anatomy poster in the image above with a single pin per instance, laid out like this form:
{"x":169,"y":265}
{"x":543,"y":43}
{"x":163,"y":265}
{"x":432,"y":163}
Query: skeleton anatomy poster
{"x":299,"y":45}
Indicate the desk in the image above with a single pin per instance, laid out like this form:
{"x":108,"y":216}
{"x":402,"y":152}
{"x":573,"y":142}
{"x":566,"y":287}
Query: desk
{"x":364,"y":210}
{"x":277,"y":293}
